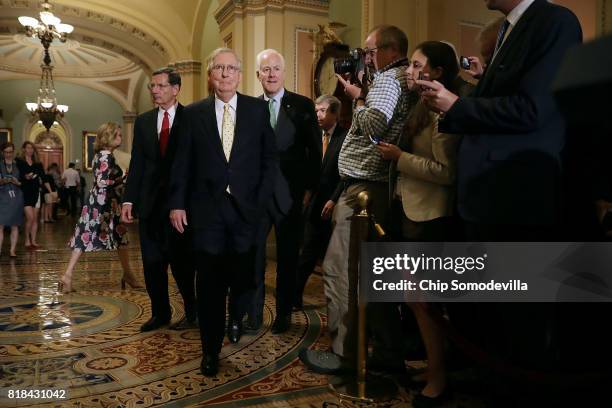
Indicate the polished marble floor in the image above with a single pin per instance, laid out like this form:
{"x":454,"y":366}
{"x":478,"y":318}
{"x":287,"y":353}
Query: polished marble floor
{"x":88,"y":345}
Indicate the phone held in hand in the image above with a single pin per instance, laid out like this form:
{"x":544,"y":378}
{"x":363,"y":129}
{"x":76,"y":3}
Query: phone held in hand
{"x":464,"y":62}
{"x":375,"y":139}
{"x":423,"y":77}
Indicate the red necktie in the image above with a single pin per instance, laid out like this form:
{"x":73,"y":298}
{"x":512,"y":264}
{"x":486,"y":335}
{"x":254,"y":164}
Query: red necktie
{"x":164,"y":134}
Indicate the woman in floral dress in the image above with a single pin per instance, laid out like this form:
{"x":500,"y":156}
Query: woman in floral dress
{"x":98,"y":227}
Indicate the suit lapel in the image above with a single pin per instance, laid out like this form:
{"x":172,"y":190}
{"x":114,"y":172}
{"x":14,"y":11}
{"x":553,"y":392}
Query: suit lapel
{"x":515,"y":35}
{"x":332,"y":147}
{"x":209,"y":121}
{"x":239,"y":125}
{"x":152,"y":136}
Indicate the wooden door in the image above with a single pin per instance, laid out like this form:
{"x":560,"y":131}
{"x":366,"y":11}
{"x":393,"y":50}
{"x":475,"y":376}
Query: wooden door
{"x":50,"y":155}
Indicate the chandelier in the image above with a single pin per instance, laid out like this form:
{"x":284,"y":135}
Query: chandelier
{"x":46,"y":30}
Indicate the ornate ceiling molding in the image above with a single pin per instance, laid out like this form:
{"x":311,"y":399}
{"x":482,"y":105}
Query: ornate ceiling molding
{"x":95,"y":29}
{"x":187,"y":67}
{"x":237,"y":8}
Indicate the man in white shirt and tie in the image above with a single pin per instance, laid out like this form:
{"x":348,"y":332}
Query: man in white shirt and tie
{"x":221,"y":181}
{"x":146,"y":196}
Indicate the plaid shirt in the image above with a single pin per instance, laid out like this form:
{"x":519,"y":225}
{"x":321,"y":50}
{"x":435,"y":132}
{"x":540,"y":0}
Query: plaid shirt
{"x":386,"y":108}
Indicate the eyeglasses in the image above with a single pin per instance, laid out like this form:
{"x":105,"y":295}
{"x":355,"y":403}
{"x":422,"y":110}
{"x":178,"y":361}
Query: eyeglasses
{"x":268,"y":70}
{"x":230,"y":69}
{"x":160,"y":86}
{"x":8,"y":151}
{"x":370,"y":51}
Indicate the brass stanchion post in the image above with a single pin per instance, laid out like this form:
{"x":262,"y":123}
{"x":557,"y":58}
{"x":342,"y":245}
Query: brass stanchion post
{"x":360,"y":386}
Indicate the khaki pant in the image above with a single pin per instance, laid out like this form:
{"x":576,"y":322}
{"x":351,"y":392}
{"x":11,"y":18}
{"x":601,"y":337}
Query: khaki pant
{"x":341,"y":325}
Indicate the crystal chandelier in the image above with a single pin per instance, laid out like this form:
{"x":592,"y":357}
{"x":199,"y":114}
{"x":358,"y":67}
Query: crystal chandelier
{"x":46,"y":30}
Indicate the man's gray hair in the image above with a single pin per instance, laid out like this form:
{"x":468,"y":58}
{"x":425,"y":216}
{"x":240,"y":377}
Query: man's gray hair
{"x":210,"y":60}
{"x":174,"y":78}
{"x":269,"y":51}
{"x":334,"y":103}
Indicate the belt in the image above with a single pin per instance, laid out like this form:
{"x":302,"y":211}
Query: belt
{"x":349,"y":181}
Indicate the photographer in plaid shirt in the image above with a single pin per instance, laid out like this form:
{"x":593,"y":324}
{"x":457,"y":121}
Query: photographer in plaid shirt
{"x":379,"y":115}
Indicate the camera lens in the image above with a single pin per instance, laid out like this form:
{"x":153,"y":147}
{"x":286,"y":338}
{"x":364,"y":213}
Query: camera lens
{"x":344,"y":66}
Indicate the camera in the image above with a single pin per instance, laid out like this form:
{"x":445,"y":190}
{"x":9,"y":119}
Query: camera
{"x":352,"y":65}
{"x":464,"y":62}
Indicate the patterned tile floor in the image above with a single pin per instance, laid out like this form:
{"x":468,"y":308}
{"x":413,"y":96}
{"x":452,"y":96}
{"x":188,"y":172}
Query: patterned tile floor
{"x":88,"y":344}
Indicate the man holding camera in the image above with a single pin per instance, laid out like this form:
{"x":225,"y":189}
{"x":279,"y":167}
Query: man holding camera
{"x":379,"y":115}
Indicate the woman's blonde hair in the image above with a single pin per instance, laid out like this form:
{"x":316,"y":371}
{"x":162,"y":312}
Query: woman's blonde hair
{"x":35,"y":158}
{"x":106,"y":135}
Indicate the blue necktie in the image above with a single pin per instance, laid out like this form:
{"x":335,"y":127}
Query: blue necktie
{"x":500,"y":35}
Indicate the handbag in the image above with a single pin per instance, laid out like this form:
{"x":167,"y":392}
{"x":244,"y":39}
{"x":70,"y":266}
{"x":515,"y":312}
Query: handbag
{"x":51,"y":197}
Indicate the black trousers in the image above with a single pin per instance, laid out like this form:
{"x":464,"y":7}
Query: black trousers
{"x":72,"y":195}
{"x":161,"y":246}
{"x":316,"y":238}
{"x":522,"y":334}
{"x":288,"y":231}
{"x":219,"y":275}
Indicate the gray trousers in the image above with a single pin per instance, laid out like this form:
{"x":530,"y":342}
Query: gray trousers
{"x":381,"y":317}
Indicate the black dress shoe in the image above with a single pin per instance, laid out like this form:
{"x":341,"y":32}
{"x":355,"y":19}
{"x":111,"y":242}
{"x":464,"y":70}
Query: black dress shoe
{"x":281,"y":324}
{"x":253,"y":324}
{"x":154,"y":323}
{"x":422,"y":401}
{"x":210,"y":365}
{"x":184,"y":324}
{"x":234,"y":331}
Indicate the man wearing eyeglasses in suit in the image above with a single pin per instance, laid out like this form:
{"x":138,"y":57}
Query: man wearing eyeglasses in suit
{"x":146,"y":196}
{"x":221,"y":182}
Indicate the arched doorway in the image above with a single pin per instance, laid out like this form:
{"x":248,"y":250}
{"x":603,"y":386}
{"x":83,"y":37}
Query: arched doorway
{"x":50,"y":149}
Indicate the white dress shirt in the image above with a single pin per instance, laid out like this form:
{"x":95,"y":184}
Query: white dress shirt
{"x":219,"y":104}
{"x":513,"y":17}
{"x":277,"y":101}
{"x":160,"y":117}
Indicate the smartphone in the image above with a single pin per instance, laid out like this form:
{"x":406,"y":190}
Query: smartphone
{"x":464,"y":62}
{"x":375,"y":139}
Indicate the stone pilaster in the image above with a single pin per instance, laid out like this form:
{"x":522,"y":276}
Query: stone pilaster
{"x":191,"y":79}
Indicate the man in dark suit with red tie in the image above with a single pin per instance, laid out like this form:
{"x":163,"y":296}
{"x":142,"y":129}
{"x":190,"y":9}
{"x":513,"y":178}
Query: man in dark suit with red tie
{"x":317,"y":228}
{"x":222,"y":180}
{"x":146,"y":196}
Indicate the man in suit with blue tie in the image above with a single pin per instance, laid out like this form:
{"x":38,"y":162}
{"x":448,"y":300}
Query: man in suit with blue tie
{"x":509,"y":162}
{"x":146,"y":195}
{"x":293,"y":118}
{"x":221,"y":182}
{"x":509,"y":159}
{"x":317,"y":228}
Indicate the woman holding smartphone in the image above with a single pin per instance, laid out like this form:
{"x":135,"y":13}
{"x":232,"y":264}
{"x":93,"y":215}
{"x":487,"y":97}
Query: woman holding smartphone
{"x":423,"y":172}
{"x":11,"y":197}
{"x":31,"y":180}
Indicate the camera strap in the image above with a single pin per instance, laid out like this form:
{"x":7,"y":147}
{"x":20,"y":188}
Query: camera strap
{"x":402,"y":62}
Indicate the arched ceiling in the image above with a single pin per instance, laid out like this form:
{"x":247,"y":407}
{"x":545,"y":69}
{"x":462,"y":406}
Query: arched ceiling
{"x":70,"y":59}
{"x":114,"y":45}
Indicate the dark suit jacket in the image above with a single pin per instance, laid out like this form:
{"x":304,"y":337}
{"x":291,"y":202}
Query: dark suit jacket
{"x":329,"y":186}
{"x":201,"y":174}
{"x":509,"y":159}
{"x":149,"y":172}
{"x":296,"y":134}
